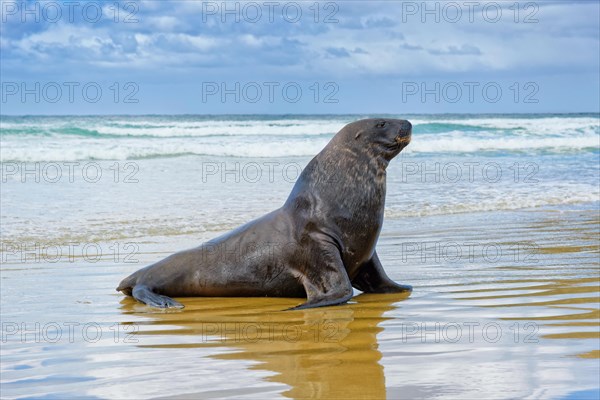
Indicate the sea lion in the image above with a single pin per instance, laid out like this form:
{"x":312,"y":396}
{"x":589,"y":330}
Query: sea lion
{"x":318,"y":245}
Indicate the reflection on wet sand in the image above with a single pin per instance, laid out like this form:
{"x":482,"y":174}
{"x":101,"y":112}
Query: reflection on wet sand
{"x":561,"y":297}
{"x":558,"y":300}
{"x":327,"y":352}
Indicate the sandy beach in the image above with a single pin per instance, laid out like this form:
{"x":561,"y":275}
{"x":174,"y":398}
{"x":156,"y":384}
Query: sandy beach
{"x":503,"y":329}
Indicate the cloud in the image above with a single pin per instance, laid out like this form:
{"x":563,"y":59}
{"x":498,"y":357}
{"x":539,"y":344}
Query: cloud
{"x":181,"y":32}
{"x":379,"y":22}
{"x":407,"y":46}
{"x":163,"y":23}
{"x":463,"y":50}
{"x":377,"y":41}
{"x":338,"y":52}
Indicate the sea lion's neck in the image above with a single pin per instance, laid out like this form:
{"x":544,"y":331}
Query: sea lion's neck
{"x":340,"y":169}
{"x":378,"y":160}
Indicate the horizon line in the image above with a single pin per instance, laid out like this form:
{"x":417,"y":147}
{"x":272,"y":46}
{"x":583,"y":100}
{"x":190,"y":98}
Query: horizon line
{"x":300,"y":114}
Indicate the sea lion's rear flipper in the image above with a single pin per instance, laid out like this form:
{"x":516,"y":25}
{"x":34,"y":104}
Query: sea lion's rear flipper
{"x":325,"y":281}
{"x":371,"y":278}
{"x":142,"y":293}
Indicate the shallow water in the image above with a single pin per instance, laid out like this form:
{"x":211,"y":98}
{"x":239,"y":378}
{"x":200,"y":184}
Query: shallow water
{"x":523,"y":323}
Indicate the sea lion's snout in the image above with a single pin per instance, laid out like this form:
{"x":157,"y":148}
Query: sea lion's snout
{"x":404,"y":133}
{"x":406,"y":127}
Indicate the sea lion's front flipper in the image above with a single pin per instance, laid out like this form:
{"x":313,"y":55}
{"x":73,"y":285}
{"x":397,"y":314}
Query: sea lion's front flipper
{"x":371,"y":278}
{"x":325,"y":281}
{"x":142,"y":293}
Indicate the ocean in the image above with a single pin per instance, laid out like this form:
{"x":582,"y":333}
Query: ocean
{"x":455,"y":163}
{"x":494,"y":219}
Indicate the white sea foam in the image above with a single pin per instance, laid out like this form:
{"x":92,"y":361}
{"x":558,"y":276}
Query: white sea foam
{"x":119,"y":138}
{"x":531,"y":126}
{"x":458,"y":142}
{"x":168,"y":128}
{"x":74,"y":150}
{"x":480,"y":199}
{"x":222,"y":130}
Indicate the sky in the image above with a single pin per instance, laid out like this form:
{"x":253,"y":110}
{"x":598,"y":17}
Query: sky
{"x":278,"y":57}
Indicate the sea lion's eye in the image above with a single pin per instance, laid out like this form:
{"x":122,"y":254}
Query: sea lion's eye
{"x":381,"y":124}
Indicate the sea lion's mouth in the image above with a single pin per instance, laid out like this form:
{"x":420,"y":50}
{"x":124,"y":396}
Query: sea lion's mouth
{"x":403,"y":140}
{"x":404,"y":134}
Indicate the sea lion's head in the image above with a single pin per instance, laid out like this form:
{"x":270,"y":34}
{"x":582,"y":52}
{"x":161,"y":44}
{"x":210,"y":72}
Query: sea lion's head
{"x":383,"y":137}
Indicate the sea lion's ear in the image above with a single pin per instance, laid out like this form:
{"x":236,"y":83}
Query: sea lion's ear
{"x":357,"y":135}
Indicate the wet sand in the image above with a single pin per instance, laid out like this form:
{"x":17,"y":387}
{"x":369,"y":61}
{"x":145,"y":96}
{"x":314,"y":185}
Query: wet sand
{"x":505,"y":305}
